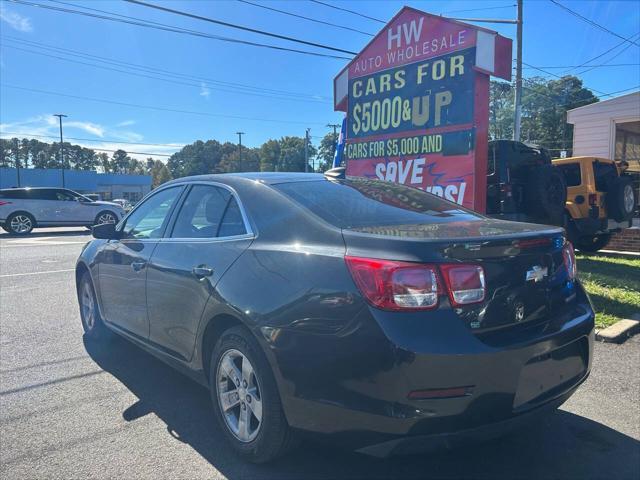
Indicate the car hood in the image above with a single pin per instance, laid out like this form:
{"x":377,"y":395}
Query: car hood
{"x":109,"y":204}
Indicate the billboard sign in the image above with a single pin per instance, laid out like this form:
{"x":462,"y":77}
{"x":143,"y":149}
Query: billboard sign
{"x":416,"y":100}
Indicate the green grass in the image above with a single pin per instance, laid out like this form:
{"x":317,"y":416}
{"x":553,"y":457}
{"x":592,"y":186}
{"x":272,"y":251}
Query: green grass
{"x":613,"y":283}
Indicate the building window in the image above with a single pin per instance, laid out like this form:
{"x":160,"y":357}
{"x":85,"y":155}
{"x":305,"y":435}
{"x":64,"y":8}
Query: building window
{"x":133,"y":197}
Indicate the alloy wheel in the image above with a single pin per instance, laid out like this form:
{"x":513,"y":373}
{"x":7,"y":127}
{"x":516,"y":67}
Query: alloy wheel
{"x":628,"y":198}
{"x":88,"y":307}
{"x":106,"y":218}
{"x":21,"y":224}
{"x":239,"y":395}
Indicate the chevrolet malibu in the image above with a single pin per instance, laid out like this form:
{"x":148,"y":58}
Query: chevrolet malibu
{"x":375,"y":315}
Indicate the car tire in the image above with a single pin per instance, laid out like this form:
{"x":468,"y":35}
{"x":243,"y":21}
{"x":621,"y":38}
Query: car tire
{"x":247,"y":390}
{"x":546,"y":194}
{"x":20,"y":223}
{"x":92,"y":324}
{"x":592,"y":244}
{"x":620,"y":199}
{"x":106,"y":216}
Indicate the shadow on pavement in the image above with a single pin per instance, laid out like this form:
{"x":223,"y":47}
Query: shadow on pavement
{"x":45,"y":233}
{"x":563,"y":445}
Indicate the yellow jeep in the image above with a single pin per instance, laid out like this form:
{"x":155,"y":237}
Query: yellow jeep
{"x":600,"y":200}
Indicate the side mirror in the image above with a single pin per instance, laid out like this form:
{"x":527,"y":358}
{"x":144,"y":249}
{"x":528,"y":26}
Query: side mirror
{"x":105,"y":230}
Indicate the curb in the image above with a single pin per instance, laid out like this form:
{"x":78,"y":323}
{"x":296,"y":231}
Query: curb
{"x":620,"y":331}
{"x":615,"y":253}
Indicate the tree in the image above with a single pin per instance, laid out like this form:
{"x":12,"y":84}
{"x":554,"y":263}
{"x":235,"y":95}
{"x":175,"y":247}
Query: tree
{"x":120,"y":162}
{"x":158,"y":171}
{"x":292,"y":154}
{"x":501,"y":110}
{"x":269,"y":155}
{"x":196,"y":159}
{"x":326,"y":151}
{"x":545,"y":105}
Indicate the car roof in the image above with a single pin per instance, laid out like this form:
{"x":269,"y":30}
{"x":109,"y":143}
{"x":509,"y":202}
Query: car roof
{"x":269,"y":178}
{"x":32,"y":188}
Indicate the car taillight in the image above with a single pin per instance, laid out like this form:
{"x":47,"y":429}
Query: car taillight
{"x":569,"y":257}
{"x":392,"y":285}
{"x":465,"y":283}
{"x":2,"y":202}
{"x":593,"y":199}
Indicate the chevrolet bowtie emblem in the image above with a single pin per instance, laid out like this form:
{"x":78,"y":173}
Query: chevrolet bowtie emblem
{"x":537,"y":273}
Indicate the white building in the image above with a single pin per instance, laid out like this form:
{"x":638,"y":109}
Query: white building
{"x":608,"y":129}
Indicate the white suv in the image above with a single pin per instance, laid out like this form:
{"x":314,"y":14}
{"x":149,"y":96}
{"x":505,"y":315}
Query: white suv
{"x":23,"y":209}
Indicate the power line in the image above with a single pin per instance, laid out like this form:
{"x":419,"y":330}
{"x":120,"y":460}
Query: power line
{"x":603,"y":94}
{"x":291,"y":14}
{"x":196,"y":85}
{"x":146,"y":68}
{"x":592,"y":23}
{"x":239,"y":27}
{"x":154,"y":107}
{"x":335,"y":7}
{"x":593,"y":66}
{"x":477,"y":9}
{"x":610,"y":59}
{"x":94,"y":149}
{"x":169,"y":28}
{"x":585,"y":64}
{"x":101,"y":140}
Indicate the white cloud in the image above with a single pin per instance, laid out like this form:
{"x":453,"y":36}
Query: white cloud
{"x":126,"y":123}
{"x":45,"y":129}
{"x":97,"y":130}
{"x":204,"y":91}
{"x":15,"y":20}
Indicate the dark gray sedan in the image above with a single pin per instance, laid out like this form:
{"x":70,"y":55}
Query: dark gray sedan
{"x":375,"y":315}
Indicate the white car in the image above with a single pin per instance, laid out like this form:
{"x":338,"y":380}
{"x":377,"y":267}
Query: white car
{"x":23,"y":209}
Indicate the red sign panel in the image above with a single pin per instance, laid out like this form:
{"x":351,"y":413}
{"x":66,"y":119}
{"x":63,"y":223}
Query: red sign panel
{"x":417,"y":105}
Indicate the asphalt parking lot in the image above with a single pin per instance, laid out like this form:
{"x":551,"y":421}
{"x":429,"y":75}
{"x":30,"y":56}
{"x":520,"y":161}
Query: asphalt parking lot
{"x":75,"y":410}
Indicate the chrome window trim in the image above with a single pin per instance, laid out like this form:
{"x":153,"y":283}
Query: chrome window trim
{"x":245,"y":219}
{"x":123,"y":221}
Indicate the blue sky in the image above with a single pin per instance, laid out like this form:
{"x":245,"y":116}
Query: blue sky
{"x":281,"y":93}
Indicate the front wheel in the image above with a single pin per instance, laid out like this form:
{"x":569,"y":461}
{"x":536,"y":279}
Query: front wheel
{"x":593,"y":243}
{"x":245,"y":398}
{"x":105,"y":217}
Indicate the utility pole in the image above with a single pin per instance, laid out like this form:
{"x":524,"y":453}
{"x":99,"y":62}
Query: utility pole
{"x":306,"y":150}
{"x":518,"y":99}
{"x":240,"y":148}
{"x":60,"y":116}
{"x":335,"y":135}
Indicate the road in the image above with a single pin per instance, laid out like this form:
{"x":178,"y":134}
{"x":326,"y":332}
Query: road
{"x":70,"y":410}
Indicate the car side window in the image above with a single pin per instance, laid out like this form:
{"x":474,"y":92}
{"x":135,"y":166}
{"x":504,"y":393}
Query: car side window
{"x":208,"y":212}
{"x":63,"y":196}
{"x":148,"y":219}
{"x":571,"y":172}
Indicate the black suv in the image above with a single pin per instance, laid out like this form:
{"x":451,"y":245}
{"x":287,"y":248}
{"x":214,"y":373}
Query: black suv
{"x":523,"y":185}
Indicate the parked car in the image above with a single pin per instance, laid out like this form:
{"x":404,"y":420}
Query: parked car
{"x":522,"y":184}
{"x":378,"y":315}
{"x":23,"y":209}
{"x":94,"y":197}
{"x":600,"y":200}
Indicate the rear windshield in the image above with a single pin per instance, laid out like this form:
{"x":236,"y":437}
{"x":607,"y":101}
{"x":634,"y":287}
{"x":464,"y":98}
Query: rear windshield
{"x":571,"y":172}
{"x":358,"y":203}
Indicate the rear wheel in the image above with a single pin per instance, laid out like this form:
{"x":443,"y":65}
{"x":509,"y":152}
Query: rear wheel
{"x":20,"y":223}
{"x":593,"y":243}
{"x":621,"y":201}
{"x":546,"y":194}
{"x":92,"y":323}
{"x":245,"y":398}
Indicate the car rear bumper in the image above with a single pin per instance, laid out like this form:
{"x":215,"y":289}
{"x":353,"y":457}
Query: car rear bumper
{"x":479,"y":384}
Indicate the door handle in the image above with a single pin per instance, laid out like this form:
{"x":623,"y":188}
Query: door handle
{"x":202,"y":271}
{"x":137,"y":266}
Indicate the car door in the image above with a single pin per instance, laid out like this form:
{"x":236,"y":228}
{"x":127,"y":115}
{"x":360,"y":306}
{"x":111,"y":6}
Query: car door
{"x":208,"y":234}
{"x":42,"y":203}
{"x":122,"y":268}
